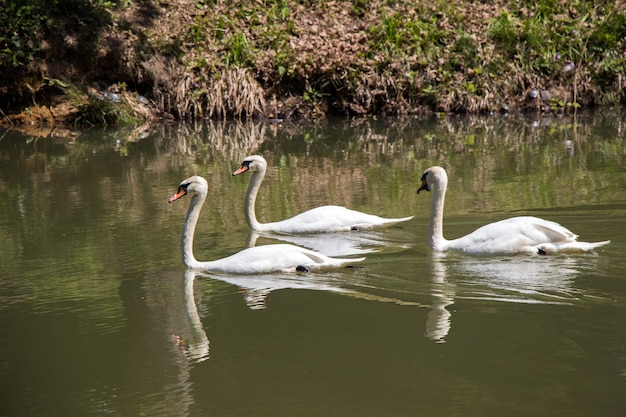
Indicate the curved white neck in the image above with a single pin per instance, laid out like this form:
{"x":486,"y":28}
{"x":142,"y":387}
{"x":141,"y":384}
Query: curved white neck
{"x":435,"y":232}
{"x":189,"y":229}
{"x":253,"y":189}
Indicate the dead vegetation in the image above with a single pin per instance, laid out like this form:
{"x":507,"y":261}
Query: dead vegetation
{"x":197,"y":59}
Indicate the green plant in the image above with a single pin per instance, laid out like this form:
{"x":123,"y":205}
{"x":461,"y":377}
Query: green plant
{"x":19,"y":24}
{"x":311,"y":95}
{"x":503,"y":30}
{"x":53,"y":82}
{"x":23,"y":25}
{"x":237,"y":50}
{"x":97,"y":111}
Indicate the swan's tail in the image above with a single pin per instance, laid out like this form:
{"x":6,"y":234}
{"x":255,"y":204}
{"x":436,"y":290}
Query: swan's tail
{"x":391,"y":222}
{"x":572,"y":247}
{"x":345,"y":262}
{"x":335,"y":263}
{"x":589,"y":246}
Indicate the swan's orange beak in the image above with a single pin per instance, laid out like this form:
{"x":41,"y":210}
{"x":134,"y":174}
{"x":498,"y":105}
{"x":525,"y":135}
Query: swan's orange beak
{"x":241,"y":170}
{"x":181,"y":193}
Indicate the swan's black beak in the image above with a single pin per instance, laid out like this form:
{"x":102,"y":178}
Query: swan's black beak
{"x":182,"y":191}
{"x":424,"y":185}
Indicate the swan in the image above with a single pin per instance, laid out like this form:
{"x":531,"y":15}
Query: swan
{"x":318,"y":220}
{"x":255,"y":260}
{"x":524,"y":234}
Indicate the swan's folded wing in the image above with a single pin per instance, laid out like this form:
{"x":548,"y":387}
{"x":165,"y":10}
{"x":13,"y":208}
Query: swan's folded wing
{"x":514,"y":235}
{"x":552,"y":231}
{"x":275,"y":258}
{"x":332,"y":219}
{"x":526,"y":228}
{"x":324,"y":260}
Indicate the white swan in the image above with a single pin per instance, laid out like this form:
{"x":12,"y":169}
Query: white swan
{"x":256,"y":260}
{"x":318,"y":220}
{"x":523,"y":234}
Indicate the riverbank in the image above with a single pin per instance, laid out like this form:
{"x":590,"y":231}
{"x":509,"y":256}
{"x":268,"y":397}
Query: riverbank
{"x":96,"y":62}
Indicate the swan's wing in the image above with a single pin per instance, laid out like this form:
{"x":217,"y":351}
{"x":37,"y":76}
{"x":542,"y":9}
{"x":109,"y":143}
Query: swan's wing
{"x":517,"y":234}
{"x":274,"y":258}
{"x":310,"y":259}
{"x":552,"y":231}
{"x":331,"y":219}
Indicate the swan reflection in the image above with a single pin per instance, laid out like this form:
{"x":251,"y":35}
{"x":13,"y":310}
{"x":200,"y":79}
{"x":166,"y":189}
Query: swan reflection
{"x":334,"y":244}
{"x":453,"y":277}
{"x":255,"y":289}
{"x":171,"y":301}
{"x":442,"y":294}
{"x":546,"y":280}
{"x":515,"y":279}
{"x":192,"y":339}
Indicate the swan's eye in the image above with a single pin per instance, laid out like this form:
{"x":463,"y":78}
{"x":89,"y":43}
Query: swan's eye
{"x":183,"y":189}
{"x":424,"y":176}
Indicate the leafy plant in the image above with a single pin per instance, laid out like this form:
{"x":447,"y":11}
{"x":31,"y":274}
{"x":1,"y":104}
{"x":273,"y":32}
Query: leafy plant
{"x":238,"y":50}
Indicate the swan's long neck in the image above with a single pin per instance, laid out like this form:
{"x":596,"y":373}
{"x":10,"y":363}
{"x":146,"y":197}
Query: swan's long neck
{"x":189,"y":229}
{"x":435,"y":233}
{"x":253,"y":189}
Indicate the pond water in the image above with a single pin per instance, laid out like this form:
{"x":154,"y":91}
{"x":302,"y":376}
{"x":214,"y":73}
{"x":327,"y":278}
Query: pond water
{"x":99,"y":316}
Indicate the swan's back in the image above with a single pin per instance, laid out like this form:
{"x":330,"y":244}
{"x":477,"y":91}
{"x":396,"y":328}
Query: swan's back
{"x":331,"y":219}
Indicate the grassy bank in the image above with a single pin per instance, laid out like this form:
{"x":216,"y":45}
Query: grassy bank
{"x":288,"y":59}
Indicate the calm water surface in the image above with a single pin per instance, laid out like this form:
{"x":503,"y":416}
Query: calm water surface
{"x":99,"y":316}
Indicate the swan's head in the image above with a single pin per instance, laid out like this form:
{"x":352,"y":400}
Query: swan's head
{"x":254,"y":163}
{"x":433,"y":177}
{"x":192,"y":185}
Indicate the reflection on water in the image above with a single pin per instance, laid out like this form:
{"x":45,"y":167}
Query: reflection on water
{"x":511,"y":279}
{"x":443,"y":292}
{"x":100,"y":319}
{"x":335,"y":244}
{"x":527,"y":280}
{"x":255,"y":289}
{"x":170,"y":297}
{"x":520,"y":279}
{"x":192,"y":339}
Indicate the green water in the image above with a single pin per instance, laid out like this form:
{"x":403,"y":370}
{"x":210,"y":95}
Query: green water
{"x":100,"y":318}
